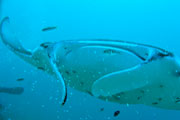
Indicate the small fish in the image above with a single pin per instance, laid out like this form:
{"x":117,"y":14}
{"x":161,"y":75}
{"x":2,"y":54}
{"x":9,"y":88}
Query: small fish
{"x":74,"y":71}
{"x":20,"y":79}
{"x":139,"y":97}
{"x":40,"y":68}
{"x":67,"y":72}
{"x":116,"y":113}
{"x":142,"y":91}
{"x":110,"y":51}
{"x":177,"y":97}
{"x":155,"y":103}
{"x":102,"y":109}
{"x":89,"y":93}
{"x":159,"y":99}
{"x":177,"y":101}
{"x":49,"y":28}
{"x":161,"y":86}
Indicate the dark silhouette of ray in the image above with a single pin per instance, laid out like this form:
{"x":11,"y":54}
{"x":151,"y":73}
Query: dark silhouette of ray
{"x":15,"y":90}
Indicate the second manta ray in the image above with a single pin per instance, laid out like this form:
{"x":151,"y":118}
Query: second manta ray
{"x":111,"y":70}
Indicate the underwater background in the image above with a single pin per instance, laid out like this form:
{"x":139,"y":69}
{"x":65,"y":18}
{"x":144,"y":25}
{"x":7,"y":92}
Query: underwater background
{"x":153,"y":22}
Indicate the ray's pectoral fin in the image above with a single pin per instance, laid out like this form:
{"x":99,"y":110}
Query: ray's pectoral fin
{"x":60,"y":82}
{"x":8,"y":36}
{"x":122,"y":81}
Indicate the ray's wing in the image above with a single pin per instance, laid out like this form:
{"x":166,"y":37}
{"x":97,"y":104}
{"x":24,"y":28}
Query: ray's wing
{"x":60,"y":81}
{"x":143,"y":52}
{"x":130,"y":78}
{"x":120,"y":81}
{"x":141,"y":75}
{"x":9,"y":38}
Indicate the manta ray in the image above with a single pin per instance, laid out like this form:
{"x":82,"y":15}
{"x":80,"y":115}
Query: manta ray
{"x":112,"y":70}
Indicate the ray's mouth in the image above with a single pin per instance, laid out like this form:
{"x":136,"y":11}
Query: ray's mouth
{"x":160,"y":55}
{"x":166,"y":54}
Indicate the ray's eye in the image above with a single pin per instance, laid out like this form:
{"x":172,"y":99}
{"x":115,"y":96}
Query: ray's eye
{"x":45,"y":45}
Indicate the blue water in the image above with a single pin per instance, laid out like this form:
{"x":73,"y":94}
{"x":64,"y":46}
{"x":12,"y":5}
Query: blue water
{"x":153,"y":22}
